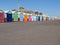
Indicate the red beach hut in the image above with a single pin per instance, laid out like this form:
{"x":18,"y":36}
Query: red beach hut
{"x":1,"y":16}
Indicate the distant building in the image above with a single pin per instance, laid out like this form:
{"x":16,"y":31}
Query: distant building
{"x":21,"y":9}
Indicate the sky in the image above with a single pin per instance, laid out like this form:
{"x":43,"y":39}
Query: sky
{"x":49,"y":7}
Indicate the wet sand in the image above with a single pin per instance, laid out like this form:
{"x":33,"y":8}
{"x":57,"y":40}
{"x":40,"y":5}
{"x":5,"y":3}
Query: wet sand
{"x":30,"y":33}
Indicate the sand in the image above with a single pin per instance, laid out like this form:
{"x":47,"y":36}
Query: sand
{"x":30,"y":33}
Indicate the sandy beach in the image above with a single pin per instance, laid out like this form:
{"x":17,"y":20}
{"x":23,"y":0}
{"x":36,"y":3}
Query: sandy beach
{"x":30,"y":33}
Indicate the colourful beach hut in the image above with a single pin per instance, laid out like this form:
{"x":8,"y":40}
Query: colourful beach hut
{"x":47,"y":18}
{"x":41,"y":17}
{"x":25,"y":18}
{"x":33,"y":17}
{"x":52,"y":18}
{"x":15,"y":16}
{"x":29,"y":18}
{"x":44,"y":18}
{"x":1,"y":16}
{"x":21,"y":17}
{"x":5,"y":16}
{"x":9,"y":16}
{"x":37,"y":18}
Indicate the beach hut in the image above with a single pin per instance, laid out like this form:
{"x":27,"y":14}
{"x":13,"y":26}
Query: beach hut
{"x":25,"y":18}
{"x":47,"y":18}
{"x":1,"y":16}
{"x":52,"y":18}
{"x":9,"y":16}
{"x":33,"y":17}
{"x":29,"y":18}
{"x":44,"y":18}
{"x":15,"y":16}
{"x":40,"y":17}
{"x":37,"y":18}
{"x":21,"y":17}
{"x":56,"y":18}
{"x":5,"y":16}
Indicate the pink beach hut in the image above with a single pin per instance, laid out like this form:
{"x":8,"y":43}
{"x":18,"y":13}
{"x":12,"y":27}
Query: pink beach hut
{"x":29,"y":18}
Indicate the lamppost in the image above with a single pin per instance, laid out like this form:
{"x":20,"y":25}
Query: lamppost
{"x":18,"y":4}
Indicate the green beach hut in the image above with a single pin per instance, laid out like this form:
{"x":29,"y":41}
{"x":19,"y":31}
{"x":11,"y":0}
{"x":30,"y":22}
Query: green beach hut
{"x":15,"y":16}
